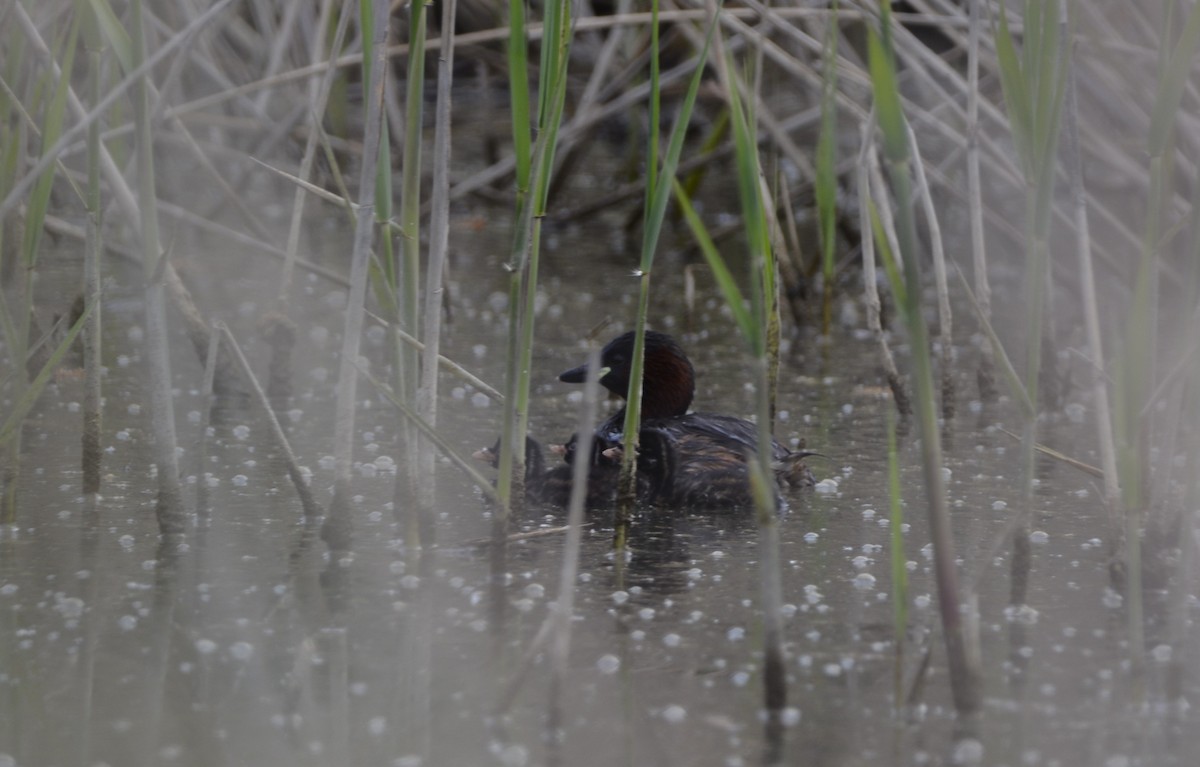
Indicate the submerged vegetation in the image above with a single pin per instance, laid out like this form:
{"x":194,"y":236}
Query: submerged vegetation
{"x":786,"y":151}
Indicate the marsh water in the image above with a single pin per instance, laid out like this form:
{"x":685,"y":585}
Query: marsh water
{"x":247,"y":645}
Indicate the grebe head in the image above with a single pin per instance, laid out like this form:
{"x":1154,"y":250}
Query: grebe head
{"x":668,"y":379}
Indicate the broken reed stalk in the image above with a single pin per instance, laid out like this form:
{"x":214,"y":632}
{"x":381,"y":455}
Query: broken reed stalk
{"x":91,"y":449}
{"x":312,"y":509}
{"x":439,"y":233}
{"x":938,"y":253}
{"x":868,"y":177}
{"x":169,"y":506}
{"x":337,"y":529}
{"x":986,"y":374}
{"x":963,"y":657}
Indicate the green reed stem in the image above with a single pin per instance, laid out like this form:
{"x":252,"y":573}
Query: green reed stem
{"x":654,"y":215}
{"x":526,"y":252}
{"x":826,"y":181}
{"x":963,"y":658}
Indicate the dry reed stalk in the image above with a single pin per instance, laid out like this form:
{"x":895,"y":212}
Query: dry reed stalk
{"x":92,"y":451}
{"x":169,"y":508}
{"x":337,"y":528}
{"x":1088,"y":294}
{"x":439,"y":232}
{"x":985,"y":375}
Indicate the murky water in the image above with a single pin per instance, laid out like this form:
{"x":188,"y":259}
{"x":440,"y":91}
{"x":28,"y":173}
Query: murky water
{"x":247,"y":646}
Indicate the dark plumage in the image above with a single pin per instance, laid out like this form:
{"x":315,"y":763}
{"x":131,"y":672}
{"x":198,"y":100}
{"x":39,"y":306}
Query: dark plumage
{"x":552,"y":486}
{"x":709,"y":451}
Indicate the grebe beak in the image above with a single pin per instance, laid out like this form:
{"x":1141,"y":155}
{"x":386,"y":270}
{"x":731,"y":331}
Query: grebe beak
{"x":579,"y":374}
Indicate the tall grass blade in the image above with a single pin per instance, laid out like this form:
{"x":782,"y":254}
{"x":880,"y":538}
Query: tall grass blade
{"x":826,"y":181}
{"x":658,"y":196}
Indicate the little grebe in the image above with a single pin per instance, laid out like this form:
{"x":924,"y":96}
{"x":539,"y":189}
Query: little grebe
{"x":709,"y":452}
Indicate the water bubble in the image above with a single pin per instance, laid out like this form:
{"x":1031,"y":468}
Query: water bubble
{"x":735,"y":634}
{"x":367,"y":469}
{"x":241,"y":431}
{"x":126,"y":541}
{"x":608,"y":664}
{"x":69,"y":607}
{"x":295,"y":414}
{"x":1161,"y":653}
{"x":1039,"y":536}
{"x":385,"y":463}
{"x":672,"y":640}
{"x":134,"y":409}
{"x":127,"y":622}
{"x":999,"y":505}
{"x":620,"y":597}
{"x":123,"y":435}
{"x":479,"y":399}
{"x":826,"y":487}
{"x":739,"y":678}
{"x":377,"y":725}
{"x":967,"y":751}
{"x":240,"y":480}
{"x":73,"y":407}
{"x":326,"y":462}
{"x":674,"y":714}
{"x":241,"y":650}
{"x":123,"y":361}
{"x":811,"y":537}
{"x":864,"y":581}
